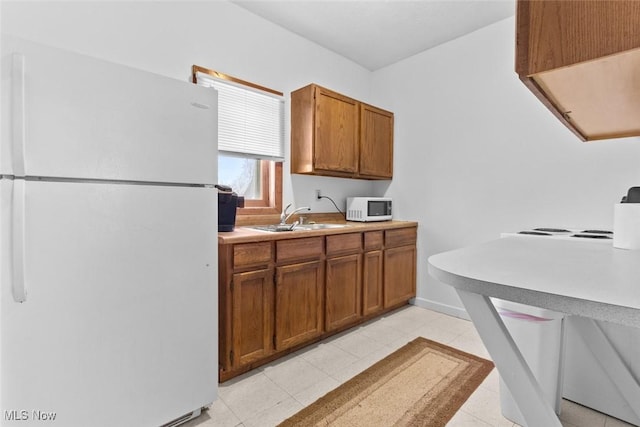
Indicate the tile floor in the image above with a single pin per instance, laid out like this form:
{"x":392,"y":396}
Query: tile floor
{"x":269,"y":394}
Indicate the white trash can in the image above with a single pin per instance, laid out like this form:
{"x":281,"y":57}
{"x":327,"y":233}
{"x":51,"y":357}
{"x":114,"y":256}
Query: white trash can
{"x":538,"y":333}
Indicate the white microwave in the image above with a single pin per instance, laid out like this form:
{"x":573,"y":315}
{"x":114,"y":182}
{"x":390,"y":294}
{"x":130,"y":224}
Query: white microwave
{"x":369,"y":209}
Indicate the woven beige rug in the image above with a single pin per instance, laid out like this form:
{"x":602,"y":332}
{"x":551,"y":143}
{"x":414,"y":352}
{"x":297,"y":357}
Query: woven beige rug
{"x":422,"y":384}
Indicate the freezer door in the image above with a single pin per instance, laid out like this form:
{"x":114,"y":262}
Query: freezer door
{"x":119,"y":321}
{"x":73,"y":116}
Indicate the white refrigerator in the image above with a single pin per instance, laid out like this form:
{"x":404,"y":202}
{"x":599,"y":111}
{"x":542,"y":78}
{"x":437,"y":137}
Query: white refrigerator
{"x":108,"y":242}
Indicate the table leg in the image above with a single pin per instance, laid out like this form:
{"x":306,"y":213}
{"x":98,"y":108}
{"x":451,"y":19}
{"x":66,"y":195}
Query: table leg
{"x":512,"y":367}
{"x":610,"y":361}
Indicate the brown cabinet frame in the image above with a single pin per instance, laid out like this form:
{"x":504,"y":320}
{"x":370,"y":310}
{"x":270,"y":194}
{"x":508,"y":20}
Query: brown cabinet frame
{"x":285,"y":294}
{"x":580,"y":59}
{"x":334,"y":135}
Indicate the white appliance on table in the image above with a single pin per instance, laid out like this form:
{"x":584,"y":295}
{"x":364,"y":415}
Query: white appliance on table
{"x":585,"y":380}
{"x":108,"y":274}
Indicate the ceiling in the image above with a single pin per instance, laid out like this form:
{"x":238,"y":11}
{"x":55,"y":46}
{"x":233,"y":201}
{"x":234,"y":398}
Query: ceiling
{"x":377,"y":33}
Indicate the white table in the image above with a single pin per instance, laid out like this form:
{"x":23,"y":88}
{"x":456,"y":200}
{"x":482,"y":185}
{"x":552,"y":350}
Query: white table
{"x":590,"y":280}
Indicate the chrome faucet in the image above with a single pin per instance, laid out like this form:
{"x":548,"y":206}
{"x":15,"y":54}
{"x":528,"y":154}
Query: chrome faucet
{"x":284,"y":217}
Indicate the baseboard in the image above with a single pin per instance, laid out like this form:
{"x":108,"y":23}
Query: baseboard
{"x":441,"y":308}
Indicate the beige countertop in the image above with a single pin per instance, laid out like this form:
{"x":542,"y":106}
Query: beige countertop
{"x":245,"y":234}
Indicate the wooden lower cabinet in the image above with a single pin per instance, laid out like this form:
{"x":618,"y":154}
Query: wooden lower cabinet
{"x":299,"y":305}
{"x":372,"y":280}
{"x":399,"y":265}
{"x":252,"y":324}
{"x":399,"y":275}
{"x":343,"y":291}
{"x":277,"y":296}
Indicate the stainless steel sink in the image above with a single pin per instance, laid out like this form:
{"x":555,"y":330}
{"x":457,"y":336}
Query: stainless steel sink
{"x":275,"y":228}
{"x":319,"y":226}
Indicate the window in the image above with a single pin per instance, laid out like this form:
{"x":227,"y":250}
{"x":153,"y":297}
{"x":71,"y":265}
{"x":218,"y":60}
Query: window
{"x":250,"y":139}
{"x":241,"y":174}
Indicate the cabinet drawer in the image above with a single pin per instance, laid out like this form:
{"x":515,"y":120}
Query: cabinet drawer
{"x":400,"y":237}
{"x":372,"y":240}
{"x":341,"y":244}
{"x":251,"y":254}
{"x":299,"y":249}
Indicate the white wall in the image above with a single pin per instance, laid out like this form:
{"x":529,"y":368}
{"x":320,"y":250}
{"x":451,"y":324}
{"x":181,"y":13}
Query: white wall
{"x":477,"y":154}
{"x":168,"y":37}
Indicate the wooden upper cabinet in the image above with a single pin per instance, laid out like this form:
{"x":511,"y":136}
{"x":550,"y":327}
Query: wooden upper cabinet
{"x":581,"y":58}
{"x":336,"y":132}
{"x":376,"y":142}
{"x":334,"y":135}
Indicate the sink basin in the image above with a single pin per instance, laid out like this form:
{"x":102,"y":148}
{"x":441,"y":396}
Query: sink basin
{"x":319,"y":226}
{"x":275,"y":228}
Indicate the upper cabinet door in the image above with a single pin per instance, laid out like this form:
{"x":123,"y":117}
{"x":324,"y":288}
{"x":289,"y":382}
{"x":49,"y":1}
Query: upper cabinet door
{"x":376,"y":142}
{"x":336,"y":131}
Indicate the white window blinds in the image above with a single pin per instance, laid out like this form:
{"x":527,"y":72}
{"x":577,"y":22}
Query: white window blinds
{"x":250,"y":120}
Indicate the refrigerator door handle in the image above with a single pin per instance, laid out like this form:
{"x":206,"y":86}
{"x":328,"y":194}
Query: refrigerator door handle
{"x":18,"y":241}
{"x":18,"y":109}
